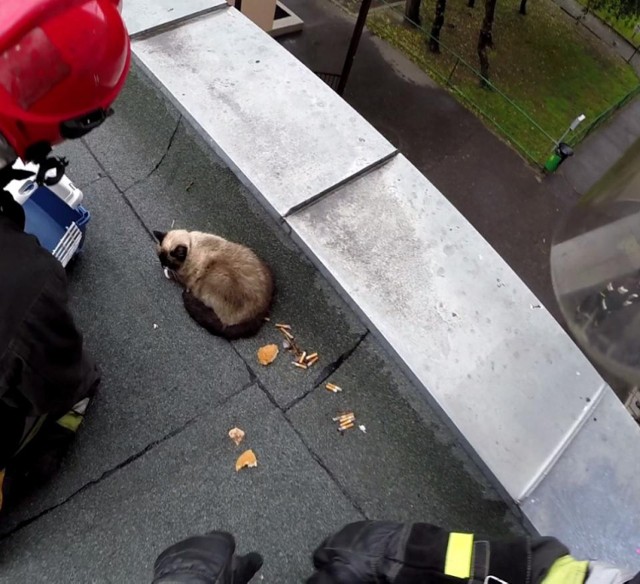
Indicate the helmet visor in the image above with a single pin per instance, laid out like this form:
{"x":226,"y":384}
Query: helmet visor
{"x":31,"y":68}
{"x":595,"y":263}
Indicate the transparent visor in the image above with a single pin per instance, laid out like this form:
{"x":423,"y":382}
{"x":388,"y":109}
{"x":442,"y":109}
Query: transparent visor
{"x":595,"y":266}
{"x":31,"y":68}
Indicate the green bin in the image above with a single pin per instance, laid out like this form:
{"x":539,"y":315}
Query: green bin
{"x":552,"y":164}
{"x":560,"y":154}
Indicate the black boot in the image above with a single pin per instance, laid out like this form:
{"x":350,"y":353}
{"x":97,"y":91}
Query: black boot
{"x":205,"y":559}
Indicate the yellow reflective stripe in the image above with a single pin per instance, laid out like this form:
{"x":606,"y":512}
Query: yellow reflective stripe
{"x":70,"y":421}
{"x":567,"y":570}
{"x":1,"y":484}
{"x":459,"y":555}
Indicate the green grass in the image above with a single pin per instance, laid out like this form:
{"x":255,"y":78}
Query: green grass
{"x":623,"y":26}
{"x":542,"y":62}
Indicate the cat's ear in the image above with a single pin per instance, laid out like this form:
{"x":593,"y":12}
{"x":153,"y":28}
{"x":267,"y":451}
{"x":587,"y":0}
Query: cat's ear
{"x":160,"y":235}
{"x":180,"y":253}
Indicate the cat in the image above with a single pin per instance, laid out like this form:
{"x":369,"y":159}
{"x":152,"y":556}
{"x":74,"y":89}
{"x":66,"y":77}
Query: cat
{"x":228,"y":289}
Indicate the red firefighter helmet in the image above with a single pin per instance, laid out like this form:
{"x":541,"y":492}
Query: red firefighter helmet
{"x":62,"y":64}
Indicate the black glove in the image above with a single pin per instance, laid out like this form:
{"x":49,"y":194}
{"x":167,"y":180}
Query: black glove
{"x":362,"y":552}
{"x":374,"y":552}
{"x":205,"y":559}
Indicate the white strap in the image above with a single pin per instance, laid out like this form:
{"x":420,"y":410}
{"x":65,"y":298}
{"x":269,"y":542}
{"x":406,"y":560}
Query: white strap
{"x":68,"y":245}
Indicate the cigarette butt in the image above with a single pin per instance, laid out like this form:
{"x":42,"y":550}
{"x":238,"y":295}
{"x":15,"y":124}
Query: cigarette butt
{"x":312,"y":356}
{"x":300,"y":365}
{"x":312,"y":361}
{"x":344,"y":419}
{"x":294,"y":346}
{"x":345,"y":415}
{"x":302,"y":357}
{"x":283,"y":326}
{"x":331,"y":387}
{"x":286,"y":333}
{"x":344,"y":427}
{"x":267,"y":319}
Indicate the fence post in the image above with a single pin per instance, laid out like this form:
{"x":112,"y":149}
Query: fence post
{"x":353,"y":45}
{"x":453,"y":70}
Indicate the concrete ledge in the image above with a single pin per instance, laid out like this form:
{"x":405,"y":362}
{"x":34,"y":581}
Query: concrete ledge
{"x":590,"y":498}
{"x":151,"y":16}
{"x":290,"y":138}
{"x":459,"y":318}
{"x":510,"y":381}
{"x":489,"y":356}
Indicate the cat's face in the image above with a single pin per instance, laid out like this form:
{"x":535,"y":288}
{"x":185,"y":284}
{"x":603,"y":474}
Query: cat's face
{"x":173,"y":248}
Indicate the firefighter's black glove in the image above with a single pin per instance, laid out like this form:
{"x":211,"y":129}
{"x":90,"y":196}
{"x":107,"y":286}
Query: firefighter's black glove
{"x":205,"y":559}
{"x":376,"y":552}
{"x":379,"y":551}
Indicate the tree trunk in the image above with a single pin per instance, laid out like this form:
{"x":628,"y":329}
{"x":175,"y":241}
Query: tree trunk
{"x":412,"y":11}
{"x":471,"y":3}
{"x":523,"y":7}
{"x":485,"y":40}
{"x":438,"y":21}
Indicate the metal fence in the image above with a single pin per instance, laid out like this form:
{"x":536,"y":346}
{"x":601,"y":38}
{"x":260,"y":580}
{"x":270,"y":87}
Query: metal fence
{"x":463,"y":79}
{"x":583,"y":132}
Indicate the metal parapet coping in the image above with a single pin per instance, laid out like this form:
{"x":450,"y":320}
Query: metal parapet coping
{"x":557,"y":453}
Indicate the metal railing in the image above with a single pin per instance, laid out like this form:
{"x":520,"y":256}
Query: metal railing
{"x":463,"y":79}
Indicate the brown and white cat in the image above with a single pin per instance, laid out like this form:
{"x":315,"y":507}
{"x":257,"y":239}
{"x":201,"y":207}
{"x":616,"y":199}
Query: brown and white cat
{"x":228,"y":289}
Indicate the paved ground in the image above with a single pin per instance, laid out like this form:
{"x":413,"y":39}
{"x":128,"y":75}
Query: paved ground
{"x":511,"y":204}
{"x":153,"y":462}
{"x":601,"y":150}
